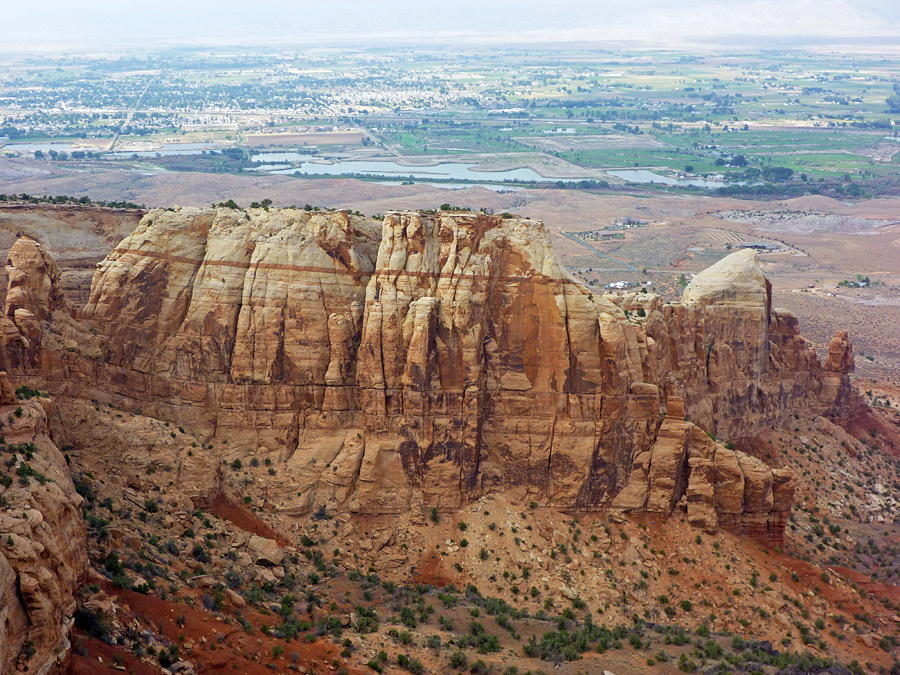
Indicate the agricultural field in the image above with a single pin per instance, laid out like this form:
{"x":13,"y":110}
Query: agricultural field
{"x":769,"y":123}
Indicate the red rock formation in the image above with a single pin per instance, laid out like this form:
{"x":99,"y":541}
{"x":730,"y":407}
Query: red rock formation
{"x":461,"y":359}
{"x":840,"y":354}
{"x":230,"y":323}
{"x":33,"y":286}
{"x":424,"y":362}
{"x":7,"y":393}
{"x":33,"y":290}
{"x":718,"y":486}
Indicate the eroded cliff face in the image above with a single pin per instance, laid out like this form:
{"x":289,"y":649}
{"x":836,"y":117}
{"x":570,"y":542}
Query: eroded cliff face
{"x":482,"y":366}
{"x":433,"y":358}
{"x":43,"y":550}
{"x":241,"y":327}
{"x":716,"y":485}
{"x":77,"y":236}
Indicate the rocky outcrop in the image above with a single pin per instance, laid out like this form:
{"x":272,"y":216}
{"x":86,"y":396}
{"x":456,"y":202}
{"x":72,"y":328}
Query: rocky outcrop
{"x":33,"y":281}
{"x":33,"y":291}
{"x":77,"y":236}
{"x":43,"y":545}
{"x":236,"y":324}
{"x":482,"y":366}
{"x":7,"y":393}
{"x":432,"y":359}
{"x":716,"y":485}
{"x":735,"y":280}
{"x":39,"y":332}
{"x":840,"y":354}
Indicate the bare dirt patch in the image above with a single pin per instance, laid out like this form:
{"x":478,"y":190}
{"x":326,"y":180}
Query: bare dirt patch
{"x":224,"y":508}
{"x":218,"y":647}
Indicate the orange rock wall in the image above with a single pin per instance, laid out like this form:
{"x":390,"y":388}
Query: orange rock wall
{"x":425,"y":360}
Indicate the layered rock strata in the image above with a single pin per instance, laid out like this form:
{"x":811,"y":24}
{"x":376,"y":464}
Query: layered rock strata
{"x":43,"y":550}
{"x":432,"y":359}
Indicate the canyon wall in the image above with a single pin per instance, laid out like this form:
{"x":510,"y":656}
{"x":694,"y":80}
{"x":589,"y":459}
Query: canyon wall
{"x":43,"y":553}
{"x":425,"y":361}
{"x":77,"y":236}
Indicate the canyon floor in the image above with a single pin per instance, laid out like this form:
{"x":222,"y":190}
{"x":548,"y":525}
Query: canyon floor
{"x":501,"y":586}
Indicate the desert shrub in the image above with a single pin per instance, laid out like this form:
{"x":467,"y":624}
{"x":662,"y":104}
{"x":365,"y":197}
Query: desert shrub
{"x":92,"y":623}
{"x":458,"y":660}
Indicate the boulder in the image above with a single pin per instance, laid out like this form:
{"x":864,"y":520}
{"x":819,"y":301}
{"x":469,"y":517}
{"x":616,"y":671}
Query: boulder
{"x":265,"y":551}
{"x":735,"y":279}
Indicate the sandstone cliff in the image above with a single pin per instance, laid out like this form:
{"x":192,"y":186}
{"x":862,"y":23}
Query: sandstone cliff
{"x":43,"y":547}
{"x":428,"y":361}
{"x":78,"y":237}
{"x":716,"y":485}
{"x":252,"y":318}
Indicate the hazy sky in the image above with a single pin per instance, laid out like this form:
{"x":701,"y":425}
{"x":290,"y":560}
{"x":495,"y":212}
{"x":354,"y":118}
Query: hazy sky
{"x":146,"y":24}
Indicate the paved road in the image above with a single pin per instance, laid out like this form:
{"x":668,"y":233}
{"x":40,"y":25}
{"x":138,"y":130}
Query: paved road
{"x":129,"y":116}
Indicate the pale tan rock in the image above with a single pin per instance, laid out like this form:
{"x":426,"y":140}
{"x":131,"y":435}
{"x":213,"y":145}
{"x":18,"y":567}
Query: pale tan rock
{"x":264,"y":575}
{"x":100,"y":603}
{"x":33,"y":280}
{"x":632,"y":555}
{"x":735,"y":279}
{"x":235,"y":598}
{"x":43,"y":550}
{"x":265,"y":551}
{"x":568,"y":592}
{"x":28,"y":324}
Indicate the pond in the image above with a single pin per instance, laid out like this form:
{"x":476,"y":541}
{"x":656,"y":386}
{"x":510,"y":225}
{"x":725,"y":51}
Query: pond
{"x":43,"y":147}
{"x":442,"y":171}
{"x":645,"y":176}
{"x":170,"y":149}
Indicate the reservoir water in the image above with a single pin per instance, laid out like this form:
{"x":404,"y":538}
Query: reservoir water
{"x":645,"y":176}
{"x":443,"y":171}
{"x":43,"y":147}
{"x":170,"y":149}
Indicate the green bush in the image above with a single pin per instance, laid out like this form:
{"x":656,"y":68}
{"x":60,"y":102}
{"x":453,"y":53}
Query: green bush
{"x":458,"y":660}
{"x":92,"y":623}
{"x":685,"y":665}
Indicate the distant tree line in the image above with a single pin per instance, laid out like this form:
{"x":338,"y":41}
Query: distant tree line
{"x":65,"y":199}
{"x":56,"y":155}
{"x":893,"y":102}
